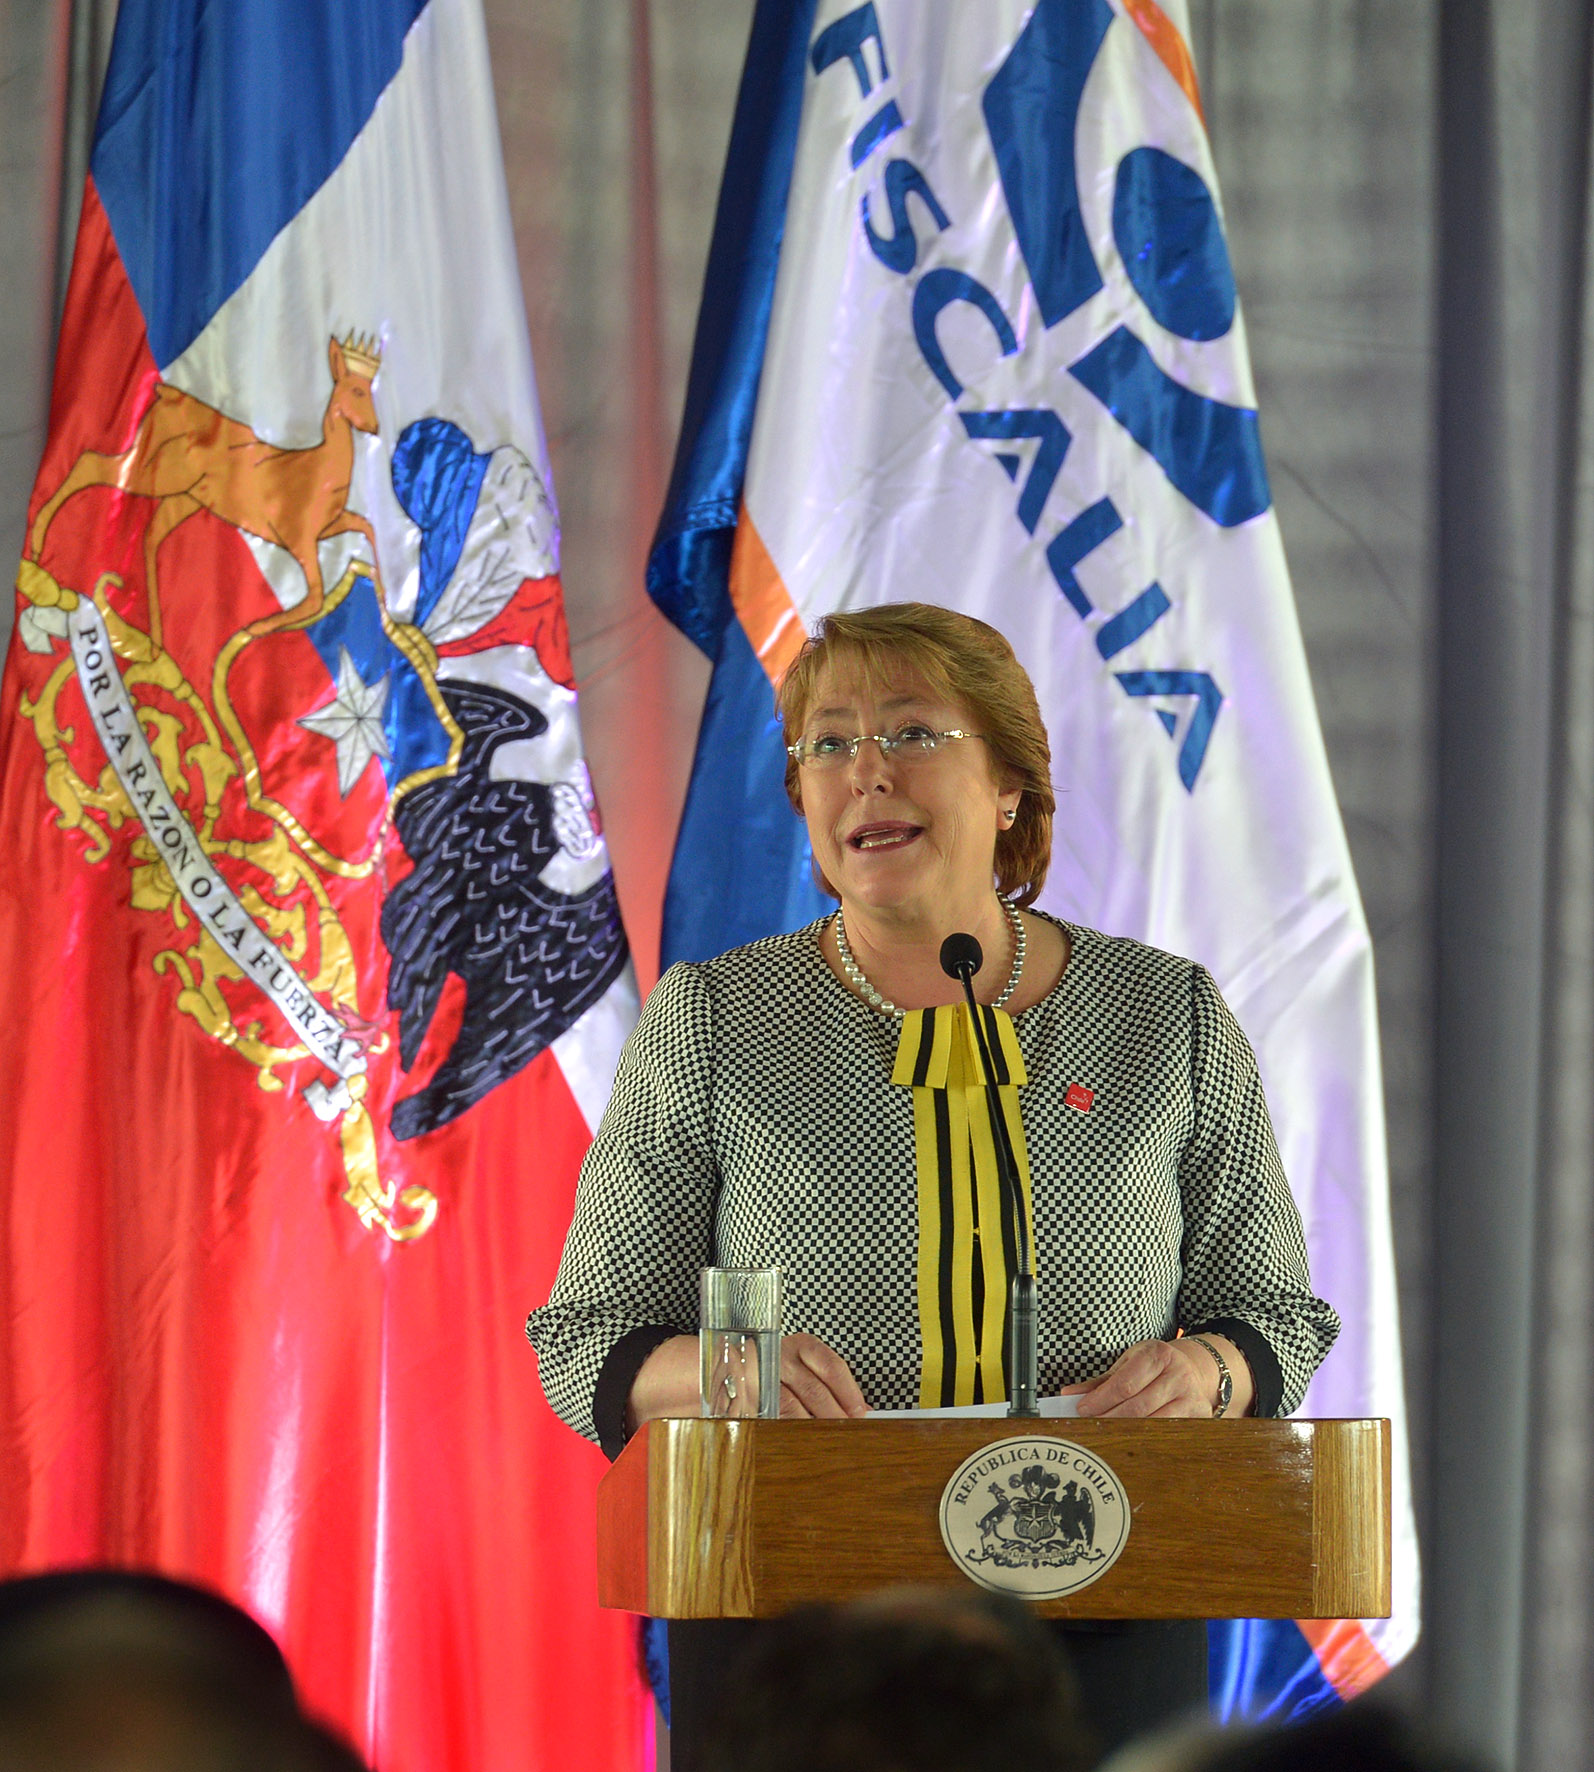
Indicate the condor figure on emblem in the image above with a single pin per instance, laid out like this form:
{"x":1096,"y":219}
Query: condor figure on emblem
{"x":813,"y":1101}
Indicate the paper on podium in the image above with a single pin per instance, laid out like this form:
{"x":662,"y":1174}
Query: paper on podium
{"x":1052,"y":1409}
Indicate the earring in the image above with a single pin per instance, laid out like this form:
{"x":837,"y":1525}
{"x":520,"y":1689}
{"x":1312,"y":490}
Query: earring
{"x":1012,"y":813}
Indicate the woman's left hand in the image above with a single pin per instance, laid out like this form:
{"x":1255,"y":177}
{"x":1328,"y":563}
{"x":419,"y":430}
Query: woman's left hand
{"x":1165,"y":1379}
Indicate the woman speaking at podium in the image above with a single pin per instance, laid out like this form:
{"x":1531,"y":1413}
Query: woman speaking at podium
{"x":777,"y":1106}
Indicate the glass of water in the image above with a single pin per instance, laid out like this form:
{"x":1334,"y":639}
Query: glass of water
{"x":739,"y":1340}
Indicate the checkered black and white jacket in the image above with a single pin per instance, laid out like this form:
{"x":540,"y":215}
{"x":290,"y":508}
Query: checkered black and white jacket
{"x":754,"y":1122}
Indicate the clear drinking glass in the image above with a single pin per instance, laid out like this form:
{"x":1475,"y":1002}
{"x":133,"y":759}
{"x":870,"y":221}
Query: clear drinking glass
{"x":739,"y":1340}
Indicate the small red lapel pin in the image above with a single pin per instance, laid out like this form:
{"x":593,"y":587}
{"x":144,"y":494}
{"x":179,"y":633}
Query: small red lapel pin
{"x":1080,"y":1097}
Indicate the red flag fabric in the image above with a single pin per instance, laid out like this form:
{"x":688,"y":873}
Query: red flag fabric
{"x":313,"y":961}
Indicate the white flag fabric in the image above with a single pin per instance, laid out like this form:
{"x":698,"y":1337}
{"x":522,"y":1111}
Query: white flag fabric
{"x":971,"y":337}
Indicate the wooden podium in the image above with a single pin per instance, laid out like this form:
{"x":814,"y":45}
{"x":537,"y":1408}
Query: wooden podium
{"x":1241,"y":1519}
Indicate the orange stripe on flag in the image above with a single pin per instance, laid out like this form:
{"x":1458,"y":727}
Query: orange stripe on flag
{"x":1345,"y":1653}
{"x":762,"y":603}
{"x":1172,"y":51}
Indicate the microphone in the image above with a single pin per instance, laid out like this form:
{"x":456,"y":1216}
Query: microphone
{"x":961,"y":958}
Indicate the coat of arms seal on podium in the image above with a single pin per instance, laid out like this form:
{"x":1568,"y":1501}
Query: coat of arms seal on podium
{"x":1036,"y":1518}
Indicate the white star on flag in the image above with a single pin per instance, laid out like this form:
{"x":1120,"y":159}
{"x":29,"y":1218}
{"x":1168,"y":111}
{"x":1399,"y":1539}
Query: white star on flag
{"x":353,"y":721}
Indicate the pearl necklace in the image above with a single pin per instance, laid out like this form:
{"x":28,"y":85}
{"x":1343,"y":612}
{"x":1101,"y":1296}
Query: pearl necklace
{"x":871,"y":996}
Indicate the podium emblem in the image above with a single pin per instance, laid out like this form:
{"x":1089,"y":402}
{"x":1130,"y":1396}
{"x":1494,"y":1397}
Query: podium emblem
{"x":1036,"y":1518}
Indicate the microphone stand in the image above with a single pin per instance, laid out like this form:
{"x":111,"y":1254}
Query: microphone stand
{"x":961,"y":958}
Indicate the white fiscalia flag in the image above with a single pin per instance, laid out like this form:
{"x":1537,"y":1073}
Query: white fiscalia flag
{"x":970,"y":336}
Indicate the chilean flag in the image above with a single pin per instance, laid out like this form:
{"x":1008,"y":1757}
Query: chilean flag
{"x":970,"y":336}
{"x":314,"y":963}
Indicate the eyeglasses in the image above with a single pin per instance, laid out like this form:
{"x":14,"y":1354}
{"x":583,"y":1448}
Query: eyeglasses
{"x":910,"y":744}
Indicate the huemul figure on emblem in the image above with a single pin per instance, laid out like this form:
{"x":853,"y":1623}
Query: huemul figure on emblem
{"x":189,"y":457}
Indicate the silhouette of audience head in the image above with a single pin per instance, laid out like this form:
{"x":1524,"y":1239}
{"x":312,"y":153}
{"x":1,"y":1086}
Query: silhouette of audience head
{"x":1363,"y":1736}
{"x":909,"y":1680}
{"x":111,"y":1671}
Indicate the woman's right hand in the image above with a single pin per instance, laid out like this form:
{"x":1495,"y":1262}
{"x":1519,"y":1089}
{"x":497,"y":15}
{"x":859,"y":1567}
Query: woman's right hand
{"x":815,"y":1382}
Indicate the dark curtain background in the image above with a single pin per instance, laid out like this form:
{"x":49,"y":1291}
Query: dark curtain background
{"x":1514,"y":496}
{"x":1407,"y":189}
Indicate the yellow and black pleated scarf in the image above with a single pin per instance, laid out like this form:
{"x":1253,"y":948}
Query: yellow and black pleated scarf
{"x":967,"y":1239}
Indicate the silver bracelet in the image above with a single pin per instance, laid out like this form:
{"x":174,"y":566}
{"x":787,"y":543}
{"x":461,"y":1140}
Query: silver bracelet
{"x":1225,"y":1377}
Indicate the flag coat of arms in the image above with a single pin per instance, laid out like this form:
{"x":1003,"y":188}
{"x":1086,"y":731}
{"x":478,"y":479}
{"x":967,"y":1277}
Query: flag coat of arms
{"x":313,"y":956}
{"x":970,"y":336}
